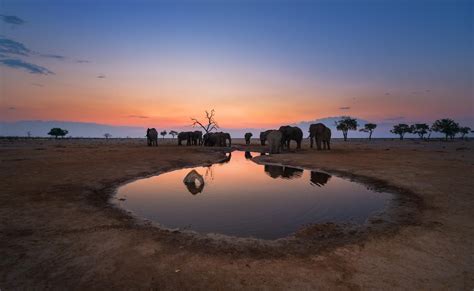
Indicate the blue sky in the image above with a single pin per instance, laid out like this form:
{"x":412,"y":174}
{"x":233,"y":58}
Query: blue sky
{"x":375,"y":59}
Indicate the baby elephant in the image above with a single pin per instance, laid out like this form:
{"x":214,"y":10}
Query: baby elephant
{"x":248,"y":135}
{"x":274,"y":141}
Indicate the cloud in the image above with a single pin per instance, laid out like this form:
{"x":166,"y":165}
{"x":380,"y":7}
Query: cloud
{"x":101,"y":76}
{"x":82,"y":61}
{"x":387,"y":94}
{"x":8,"y":46}
{"x":397,"y":118}
{"x":138,"y":116}
{"x":37,"y":84}
{"x":12,"y":108}
{"x":31,"y":68}
{"x":344,"y":108}
{"x":11,"y":19}
{"x":12,"y":47}
{"x":58,"y":57}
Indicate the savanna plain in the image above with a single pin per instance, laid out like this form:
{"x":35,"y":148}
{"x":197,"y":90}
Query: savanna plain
{"x":59,"y":227}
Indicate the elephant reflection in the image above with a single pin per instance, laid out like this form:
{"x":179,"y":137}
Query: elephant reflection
{"x":194,"y":182}
{"x":248,"y":156}
{"x":227,"y":159}
{"x":319,"y":179}
{"x":275,"y":171}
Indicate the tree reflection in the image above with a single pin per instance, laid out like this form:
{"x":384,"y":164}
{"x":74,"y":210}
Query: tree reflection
{"x":319,"y":179}
{"x":284,"y":172}
{"x":194,"y":182}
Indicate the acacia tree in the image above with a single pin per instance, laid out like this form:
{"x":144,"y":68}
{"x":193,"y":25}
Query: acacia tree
{"x":173,"y":133}
{"x":446,"y":126}
{"x":345,"y":124}
{"x":369,"y":127}
{"x":163,"y":133}
{"x":107,"y":135}
{"x":211,"y":122}
{"x":58,"y":132}
{"x":401,"y":129}
{"x":421,"y":129}
{"x":464,"y":131}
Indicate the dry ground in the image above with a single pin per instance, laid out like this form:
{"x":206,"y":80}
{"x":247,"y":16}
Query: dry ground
{"x":58,"y":230}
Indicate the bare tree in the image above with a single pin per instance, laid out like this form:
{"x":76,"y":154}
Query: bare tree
{"x":107,"y":135}
{"x":211,"y":122}
{"x":28,"y":134}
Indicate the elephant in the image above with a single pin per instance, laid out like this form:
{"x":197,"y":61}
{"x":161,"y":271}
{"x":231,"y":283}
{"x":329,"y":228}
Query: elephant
{"x":274,"y":138}
{"x":320,"y":133}
{"x":190,"y":182}
{"x":227,"y":138}
{"x":327,"y":138}
{"x":276,"y":171}
{"x":319,"y":179}
{"x":197,"y":137}
{"x":263,"y":136}
{"x":290,"y":133}
{"x":217,"y":139}
{"x":152,"y":136}
{"x":185,"y":135}
{"x":248,"y":135}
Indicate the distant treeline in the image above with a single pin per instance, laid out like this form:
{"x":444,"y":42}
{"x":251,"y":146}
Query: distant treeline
{"x":448,"y":127}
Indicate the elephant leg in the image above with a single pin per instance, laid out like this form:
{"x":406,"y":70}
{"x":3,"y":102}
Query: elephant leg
{"x":298,"y":144}
{"x":328,"y":142}
{"x":311,"y":141}
{"x":318,"y":143}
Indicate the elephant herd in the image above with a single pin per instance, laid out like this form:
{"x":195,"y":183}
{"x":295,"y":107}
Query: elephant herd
{"x":220,"y":139}
{"x":191,"y":137}
{"x":280,"y":139}
{"x":277,"y":139}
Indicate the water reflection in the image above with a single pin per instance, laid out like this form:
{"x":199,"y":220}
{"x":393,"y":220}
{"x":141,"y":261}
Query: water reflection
{"x":237,"y":197}
{"x":194,"y":182}
{"x":284,"y":172}
{"x":228,"y":156}
{"x":248,"y":156}
{"x":319,"y":179}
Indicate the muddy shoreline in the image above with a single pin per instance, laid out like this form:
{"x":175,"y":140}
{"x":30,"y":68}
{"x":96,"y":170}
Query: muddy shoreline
{"x":58,"y":229}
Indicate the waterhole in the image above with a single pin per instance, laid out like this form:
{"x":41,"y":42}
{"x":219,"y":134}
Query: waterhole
{"x":238,"y":197}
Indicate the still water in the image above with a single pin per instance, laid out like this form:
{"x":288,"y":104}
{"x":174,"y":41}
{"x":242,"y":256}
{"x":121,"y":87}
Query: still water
{"x":241,"y":198}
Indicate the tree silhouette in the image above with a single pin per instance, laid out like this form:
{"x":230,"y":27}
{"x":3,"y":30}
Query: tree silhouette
{"x":57,"y":132}
{"x":446,"y":126}
{"x":401,"y":129}
{"x":345,"y":124}
{"x":421,"y":129}
{"x":28,"y":133}
{"x":173,"y":133}
{"x":211,"y":122}
{"x":163,"y":133}
{"x":464,"y":131}
{"x":369,"y":127}
{"x":107,"y":135}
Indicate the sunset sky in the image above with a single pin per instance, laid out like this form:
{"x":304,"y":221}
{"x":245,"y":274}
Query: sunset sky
{"x":257,"y":63}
